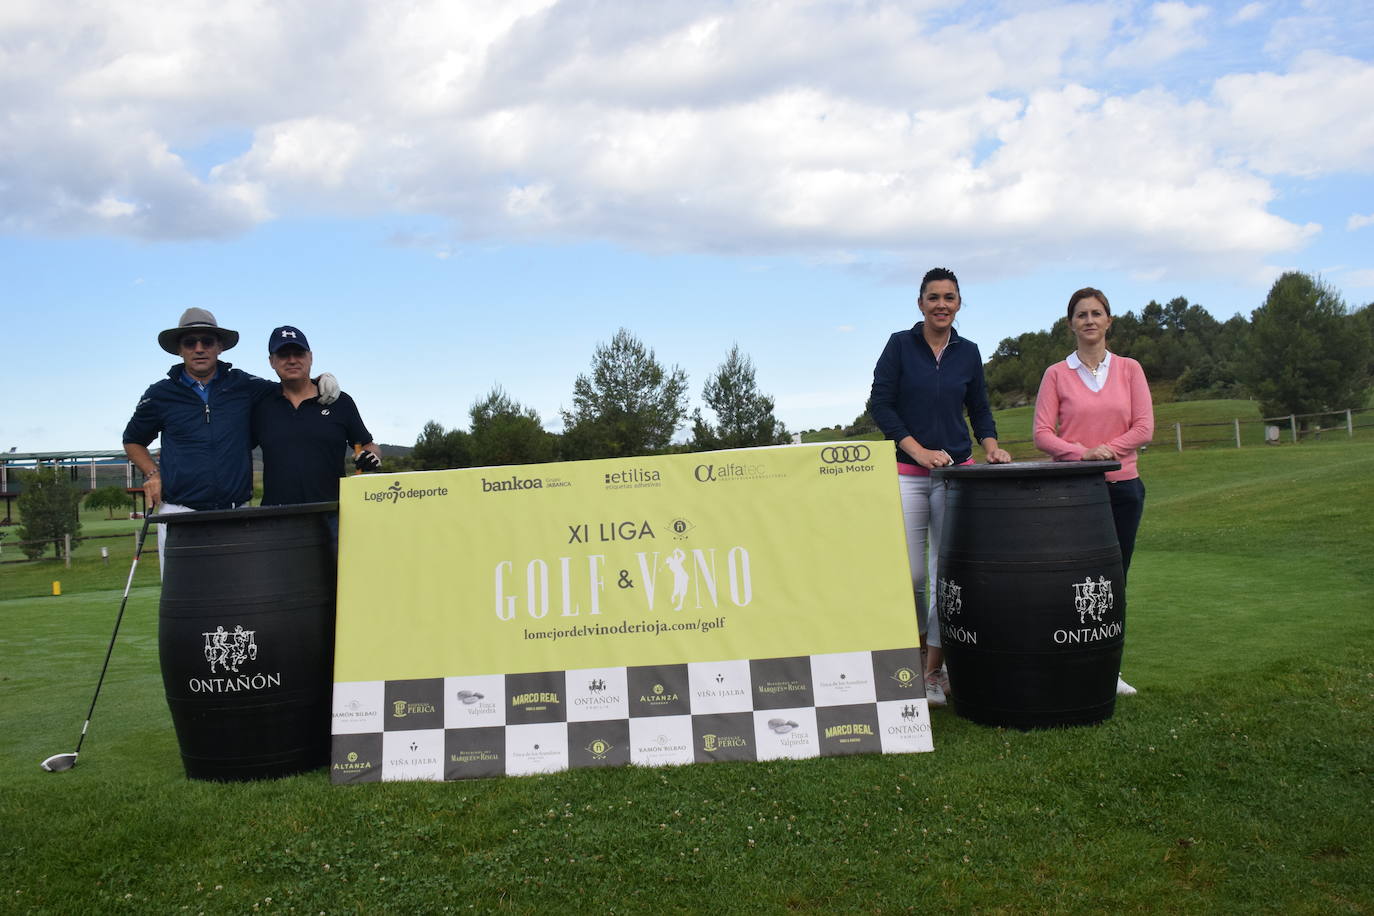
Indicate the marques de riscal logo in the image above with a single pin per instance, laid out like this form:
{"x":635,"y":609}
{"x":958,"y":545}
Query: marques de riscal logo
{"x":229,"y":651}
{"x":396,"y":493}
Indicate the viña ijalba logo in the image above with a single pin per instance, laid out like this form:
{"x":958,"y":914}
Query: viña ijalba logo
{"x":229,"y":652}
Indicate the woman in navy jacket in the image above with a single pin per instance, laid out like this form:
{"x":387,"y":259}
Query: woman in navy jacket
{"x":926,"y":380}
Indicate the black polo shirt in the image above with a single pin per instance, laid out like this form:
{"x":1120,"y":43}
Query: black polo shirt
{"x":303,"y":448}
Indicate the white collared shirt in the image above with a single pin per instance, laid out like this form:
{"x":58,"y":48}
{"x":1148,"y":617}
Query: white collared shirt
{"x":1094,"y":382}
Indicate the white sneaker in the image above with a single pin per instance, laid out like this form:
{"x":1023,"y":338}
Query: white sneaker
{"x":935,"y":691}
{"x":1124,"y":689}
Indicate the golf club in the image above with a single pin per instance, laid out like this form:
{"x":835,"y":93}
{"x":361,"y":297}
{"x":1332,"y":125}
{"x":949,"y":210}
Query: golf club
{"x":57,"y":763}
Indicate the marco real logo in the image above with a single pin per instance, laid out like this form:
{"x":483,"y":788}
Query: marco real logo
{"x":229,"y":652}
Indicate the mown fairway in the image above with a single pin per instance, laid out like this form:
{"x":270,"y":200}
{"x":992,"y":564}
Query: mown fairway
{"x":1238,"y":780}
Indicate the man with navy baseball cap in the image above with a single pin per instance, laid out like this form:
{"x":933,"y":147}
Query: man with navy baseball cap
{"x":304,"y":439}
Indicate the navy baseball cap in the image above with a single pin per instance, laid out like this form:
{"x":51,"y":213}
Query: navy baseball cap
{"x":287,"y":336}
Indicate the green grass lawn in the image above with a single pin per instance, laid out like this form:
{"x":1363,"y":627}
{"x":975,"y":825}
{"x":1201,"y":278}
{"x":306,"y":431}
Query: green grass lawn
{"x":1239,"y":779}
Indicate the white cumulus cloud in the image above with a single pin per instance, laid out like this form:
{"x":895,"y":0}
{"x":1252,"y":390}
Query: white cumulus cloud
{"x":885,"y":131}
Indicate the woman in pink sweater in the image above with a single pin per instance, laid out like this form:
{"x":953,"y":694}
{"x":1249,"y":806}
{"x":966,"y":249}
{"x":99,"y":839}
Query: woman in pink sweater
{"x":1095,"y":406}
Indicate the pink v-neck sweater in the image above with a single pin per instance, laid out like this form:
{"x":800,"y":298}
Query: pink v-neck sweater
{"x":1070,"y":418}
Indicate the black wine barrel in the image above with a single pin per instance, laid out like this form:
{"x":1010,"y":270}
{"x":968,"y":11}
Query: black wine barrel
{"x":1030,"y":594}
{"x":246,"y":639}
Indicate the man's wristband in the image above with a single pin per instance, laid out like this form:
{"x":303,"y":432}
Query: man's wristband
{"x":151,"y":474}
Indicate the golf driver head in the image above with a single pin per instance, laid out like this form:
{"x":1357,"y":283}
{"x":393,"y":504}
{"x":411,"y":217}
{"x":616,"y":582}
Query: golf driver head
{"x":58,"y":763}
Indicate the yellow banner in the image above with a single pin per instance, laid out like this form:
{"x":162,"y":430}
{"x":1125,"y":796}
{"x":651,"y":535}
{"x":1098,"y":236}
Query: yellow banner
{"x":747,"y":554}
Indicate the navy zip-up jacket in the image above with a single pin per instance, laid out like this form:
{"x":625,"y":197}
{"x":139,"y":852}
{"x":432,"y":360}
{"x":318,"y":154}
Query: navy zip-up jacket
{"x":914,"y":395}
{"x":207,"y":456}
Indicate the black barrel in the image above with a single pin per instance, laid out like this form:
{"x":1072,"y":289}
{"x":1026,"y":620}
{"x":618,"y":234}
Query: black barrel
{"x":246,"y":639}
{"x":1030,"y":593}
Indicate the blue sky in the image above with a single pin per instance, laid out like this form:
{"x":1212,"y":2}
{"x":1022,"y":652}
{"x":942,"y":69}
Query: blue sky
{"x":449,"y":196}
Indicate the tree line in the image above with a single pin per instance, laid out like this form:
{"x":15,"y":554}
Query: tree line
{"x":627,"y":404}
{"x":1302,"y":351}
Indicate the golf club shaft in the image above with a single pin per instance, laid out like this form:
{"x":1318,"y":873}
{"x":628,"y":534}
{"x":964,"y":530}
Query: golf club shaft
{"x":138,"y":552}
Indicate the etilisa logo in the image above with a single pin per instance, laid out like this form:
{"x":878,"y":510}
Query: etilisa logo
{"x":226,"y":651}
{"x":1092,"y":599}
{"x":631,"y":478}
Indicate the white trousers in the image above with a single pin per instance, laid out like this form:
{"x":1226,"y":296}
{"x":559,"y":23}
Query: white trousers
{"x":923,"y":515}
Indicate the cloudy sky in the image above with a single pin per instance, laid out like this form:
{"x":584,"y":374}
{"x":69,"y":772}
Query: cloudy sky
{"x":452,"y":194}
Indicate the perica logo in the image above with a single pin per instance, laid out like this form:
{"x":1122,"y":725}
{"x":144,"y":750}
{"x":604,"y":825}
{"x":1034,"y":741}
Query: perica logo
{"x":400,"y":708}
{"x":712,"y":743}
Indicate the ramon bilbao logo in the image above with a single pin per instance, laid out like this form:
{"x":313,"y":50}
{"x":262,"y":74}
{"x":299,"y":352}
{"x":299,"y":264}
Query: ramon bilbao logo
{"x":229,"y":652}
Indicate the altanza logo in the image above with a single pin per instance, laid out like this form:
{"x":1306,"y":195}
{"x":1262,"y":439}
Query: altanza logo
{"x":395,"y":493}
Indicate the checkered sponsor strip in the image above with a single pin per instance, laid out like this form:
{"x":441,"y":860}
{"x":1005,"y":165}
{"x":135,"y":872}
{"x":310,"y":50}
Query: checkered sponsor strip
{"x":514,"y":724}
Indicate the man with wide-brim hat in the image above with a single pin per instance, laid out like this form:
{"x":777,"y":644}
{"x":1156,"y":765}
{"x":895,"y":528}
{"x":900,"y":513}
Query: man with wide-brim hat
{"x":201,"y":413}
{"x":191,"y":320}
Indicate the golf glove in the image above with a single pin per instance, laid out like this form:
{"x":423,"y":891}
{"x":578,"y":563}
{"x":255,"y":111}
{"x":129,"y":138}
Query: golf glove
{"x":367,"y":461}
{"x":329,"y":388}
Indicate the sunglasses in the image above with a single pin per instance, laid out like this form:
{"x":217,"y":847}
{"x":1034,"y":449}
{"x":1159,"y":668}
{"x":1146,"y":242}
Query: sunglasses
{"x":190,"y":342}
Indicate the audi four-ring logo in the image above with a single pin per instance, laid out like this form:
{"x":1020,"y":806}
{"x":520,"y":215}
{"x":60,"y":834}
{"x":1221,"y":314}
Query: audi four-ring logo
{"x":844,"y":454}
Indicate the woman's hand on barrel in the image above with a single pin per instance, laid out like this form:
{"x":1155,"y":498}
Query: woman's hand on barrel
{"x":1100,"y":453}
{"x":999,"y":455}
{"x":930,"y":457}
